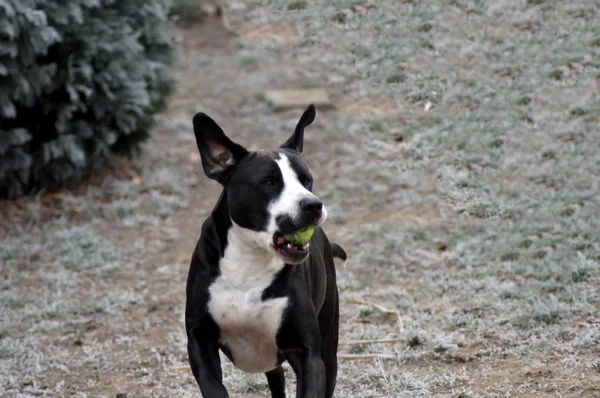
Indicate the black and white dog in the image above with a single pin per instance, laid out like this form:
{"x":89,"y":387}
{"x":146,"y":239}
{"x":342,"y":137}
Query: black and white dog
{"x":258,"y":298}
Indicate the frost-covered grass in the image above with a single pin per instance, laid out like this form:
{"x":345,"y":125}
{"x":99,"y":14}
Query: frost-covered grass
{"x":469,"y":206}
{"x":494,"y":148}
{"x":68,"y":282}
{"x":54,"y":278}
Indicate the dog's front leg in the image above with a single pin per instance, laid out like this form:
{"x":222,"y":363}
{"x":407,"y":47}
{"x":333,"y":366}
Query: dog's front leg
{"x":310,"y":372}
{"x":206,"y":366}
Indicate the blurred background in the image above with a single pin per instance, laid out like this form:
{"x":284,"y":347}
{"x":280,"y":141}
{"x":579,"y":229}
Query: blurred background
{"x":456,"y":147}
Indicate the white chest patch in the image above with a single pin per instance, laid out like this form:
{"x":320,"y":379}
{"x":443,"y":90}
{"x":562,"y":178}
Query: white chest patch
{"x":248,"y":324}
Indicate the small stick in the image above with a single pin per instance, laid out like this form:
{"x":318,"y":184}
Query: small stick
{"x":365,"y":356}
{"x":358,"y":342}
{"x":382,"y":309}
{"x":181,"y":368}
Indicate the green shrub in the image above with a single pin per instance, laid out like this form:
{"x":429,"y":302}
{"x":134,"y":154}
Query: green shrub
{"x":79,"y":82}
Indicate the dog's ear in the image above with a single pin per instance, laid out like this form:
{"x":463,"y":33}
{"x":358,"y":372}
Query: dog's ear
{"x":296,"y":141}
{"x":219,"y":154}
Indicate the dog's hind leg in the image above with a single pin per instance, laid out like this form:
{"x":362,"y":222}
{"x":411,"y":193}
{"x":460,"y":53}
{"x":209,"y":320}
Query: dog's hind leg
{"x":329,"y":326}
{"x":329,"y":323}
{"x":276,"y":380}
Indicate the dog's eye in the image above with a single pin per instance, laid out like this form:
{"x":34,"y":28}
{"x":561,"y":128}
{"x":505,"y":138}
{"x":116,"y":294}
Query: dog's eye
{"x":270,"y":182}
{"x":307,"y":182}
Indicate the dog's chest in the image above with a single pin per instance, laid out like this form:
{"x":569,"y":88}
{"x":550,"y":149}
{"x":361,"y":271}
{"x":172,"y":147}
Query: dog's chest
{"x":248,"y":324}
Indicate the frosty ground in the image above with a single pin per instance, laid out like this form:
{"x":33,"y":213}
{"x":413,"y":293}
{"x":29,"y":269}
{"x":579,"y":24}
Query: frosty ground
{"x":459,"y":166}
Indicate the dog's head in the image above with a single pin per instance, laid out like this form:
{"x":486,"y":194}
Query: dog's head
{"x":269,"y":192}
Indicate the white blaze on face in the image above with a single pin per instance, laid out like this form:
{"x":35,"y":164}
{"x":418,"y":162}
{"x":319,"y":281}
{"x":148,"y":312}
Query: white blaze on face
{"x":288,"y":202}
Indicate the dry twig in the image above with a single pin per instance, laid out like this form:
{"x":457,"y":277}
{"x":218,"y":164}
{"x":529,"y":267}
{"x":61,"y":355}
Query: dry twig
{"x":365,"y":356}
{"x":381,"y":341}
{"x":382,"y":309}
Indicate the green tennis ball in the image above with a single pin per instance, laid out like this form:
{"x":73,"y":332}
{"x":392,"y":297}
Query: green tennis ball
{"x":300,"y":236}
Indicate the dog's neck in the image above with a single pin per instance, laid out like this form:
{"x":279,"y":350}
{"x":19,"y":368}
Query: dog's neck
{"x":246,"y":254}
{"x":245,"y":264}
{"x":249,"y":244}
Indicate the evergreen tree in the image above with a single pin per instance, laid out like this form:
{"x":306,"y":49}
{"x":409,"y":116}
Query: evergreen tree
{"x":79,"y":82}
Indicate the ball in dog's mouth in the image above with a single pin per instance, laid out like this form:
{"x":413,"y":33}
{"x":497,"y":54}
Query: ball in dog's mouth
{"x":291,"y":253}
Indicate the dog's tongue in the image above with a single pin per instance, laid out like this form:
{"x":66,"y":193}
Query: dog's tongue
{"x":280,"y":241}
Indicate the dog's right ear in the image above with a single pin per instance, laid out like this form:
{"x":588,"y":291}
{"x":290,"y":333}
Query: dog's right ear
{"x":219,"y":154}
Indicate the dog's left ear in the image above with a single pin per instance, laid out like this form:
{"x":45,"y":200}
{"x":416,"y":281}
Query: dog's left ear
{"x":219,"y":154}
{"x":296,"y":141}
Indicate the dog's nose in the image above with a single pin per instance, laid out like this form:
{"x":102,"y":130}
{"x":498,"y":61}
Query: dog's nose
{"x":311,"y":207}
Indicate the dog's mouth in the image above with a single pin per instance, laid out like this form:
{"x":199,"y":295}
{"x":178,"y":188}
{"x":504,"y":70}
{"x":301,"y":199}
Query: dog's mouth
{"x":291,"y":253}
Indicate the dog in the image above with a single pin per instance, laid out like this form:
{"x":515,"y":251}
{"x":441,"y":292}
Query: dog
{"x":250,"y":293}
